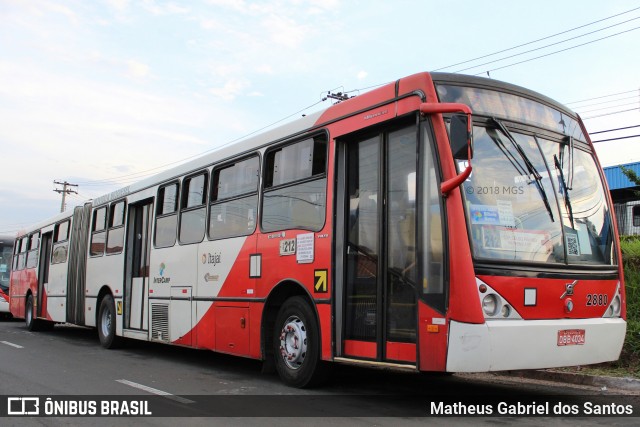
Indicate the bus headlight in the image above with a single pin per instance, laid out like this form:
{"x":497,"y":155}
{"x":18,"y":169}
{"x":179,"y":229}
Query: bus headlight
{"x":490,"y":305}
{"x":494,"y":305}
{"x":506,"y":310}
{"x":615,"y":307}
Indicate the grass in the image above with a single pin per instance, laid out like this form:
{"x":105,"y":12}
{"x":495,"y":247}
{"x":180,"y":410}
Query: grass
{"x":629,"y":363}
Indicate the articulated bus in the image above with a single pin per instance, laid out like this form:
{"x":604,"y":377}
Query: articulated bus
{"x":441,"y":222}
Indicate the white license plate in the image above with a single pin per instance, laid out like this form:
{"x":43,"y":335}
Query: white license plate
{"x":571,"y":337}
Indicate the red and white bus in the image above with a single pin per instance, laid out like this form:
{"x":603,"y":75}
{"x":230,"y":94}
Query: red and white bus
{"x":372,"y":232}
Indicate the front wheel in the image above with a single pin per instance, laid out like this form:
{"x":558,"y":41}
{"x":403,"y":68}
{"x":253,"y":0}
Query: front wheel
{"x":296,"y":345}
{"x":107,"y":323}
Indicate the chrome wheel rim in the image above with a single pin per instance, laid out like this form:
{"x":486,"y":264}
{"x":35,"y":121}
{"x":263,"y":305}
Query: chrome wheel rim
{"x":105,"y":323}
{"x":29,"y":312}
{"x":293,"y":342}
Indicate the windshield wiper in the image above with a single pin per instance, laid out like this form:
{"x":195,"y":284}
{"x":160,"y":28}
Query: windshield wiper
{"x":565,"y":190}
{"x":531,"y":170}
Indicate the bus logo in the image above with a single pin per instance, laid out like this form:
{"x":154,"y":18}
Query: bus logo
{"x":569,"y":289}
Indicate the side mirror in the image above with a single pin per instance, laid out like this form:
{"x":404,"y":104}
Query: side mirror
{"x":461,"y":139}
{"x":460,"y":134}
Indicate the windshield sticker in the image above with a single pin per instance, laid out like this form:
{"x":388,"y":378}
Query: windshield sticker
{"x":507,"y":239}
{"x":505,"y":212}
{"x":583,"y":239}
{"x":573,"y":248}
{"x":484,"y":214}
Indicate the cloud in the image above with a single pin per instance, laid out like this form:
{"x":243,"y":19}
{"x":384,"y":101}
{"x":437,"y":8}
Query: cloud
{"x":230,"y":89}
{"x":137,"y":69}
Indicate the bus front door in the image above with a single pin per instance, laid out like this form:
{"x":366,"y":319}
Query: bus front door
{"x":378,"y":312}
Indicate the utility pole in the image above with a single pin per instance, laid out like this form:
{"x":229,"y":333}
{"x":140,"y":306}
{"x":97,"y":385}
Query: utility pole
{"x":65,"y":190}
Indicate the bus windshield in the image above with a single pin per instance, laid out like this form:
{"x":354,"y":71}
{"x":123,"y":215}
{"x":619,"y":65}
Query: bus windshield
{"x":533,"y":196}
{"x":6,"y":251}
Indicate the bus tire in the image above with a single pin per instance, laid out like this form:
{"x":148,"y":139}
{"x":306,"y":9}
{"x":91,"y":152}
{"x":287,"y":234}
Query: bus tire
{"x":29,"y":319}
{"x":107,"y":323}
{"x":296,"y":344}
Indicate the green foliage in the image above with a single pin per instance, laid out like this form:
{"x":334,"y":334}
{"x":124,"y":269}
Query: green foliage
{"x":631,"y":176}
{"x":630,"y":357}
{"x":629,"y":173}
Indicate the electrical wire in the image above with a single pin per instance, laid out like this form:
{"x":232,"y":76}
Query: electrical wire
{"x":616,"y":139}
{"x":613,"y":130}
{"x":558,"y":51}
{"x":535,"y":41}
{"x":603,"y":96}
{"x":611,"y":106}
{"x":133,"y":177}
{"x":545,"y":46}
{"x":609,"y":114}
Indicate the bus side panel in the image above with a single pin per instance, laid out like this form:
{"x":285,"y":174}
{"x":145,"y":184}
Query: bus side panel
{"x":324,"y":315}
{"x":433,"y":335}
{"x":17,"y":292}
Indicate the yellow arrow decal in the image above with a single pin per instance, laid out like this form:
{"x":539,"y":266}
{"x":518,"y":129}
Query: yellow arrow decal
{"x":320,"y":282}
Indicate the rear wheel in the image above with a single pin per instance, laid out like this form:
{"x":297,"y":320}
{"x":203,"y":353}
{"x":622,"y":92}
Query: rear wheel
{"x":296,"y":345}
{"x":29,"y":320}
{"x":107,"y":323}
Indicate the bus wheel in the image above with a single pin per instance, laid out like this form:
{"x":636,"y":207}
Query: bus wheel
{"x":297,"y":345}
{"x":107,"y":323}
{"x":30,"y":322}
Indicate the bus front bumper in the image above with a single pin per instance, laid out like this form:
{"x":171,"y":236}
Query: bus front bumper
{"x":500,"y":345}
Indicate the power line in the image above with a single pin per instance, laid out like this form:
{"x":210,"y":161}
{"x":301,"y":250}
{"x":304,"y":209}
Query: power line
{"x":123,"y":179}
{"x":535,"y":41}
{"x":546,"y":46}
{"x":603,"y":96}
{"x":129,"y":178}
{"x":609,"y":114}
{"x":558,"y":51}
{"x":613,"y":130}
{"x":607,"y":102}
{"x":615,"y":139}
{"x":611,"y":106}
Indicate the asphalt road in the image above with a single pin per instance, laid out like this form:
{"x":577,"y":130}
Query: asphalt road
{"x":69,"y":363}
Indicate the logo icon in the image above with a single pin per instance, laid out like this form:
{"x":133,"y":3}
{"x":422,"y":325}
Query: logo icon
{"x":569,"y":289}
{"x":162,"y":267}
{"x":23,"y":406}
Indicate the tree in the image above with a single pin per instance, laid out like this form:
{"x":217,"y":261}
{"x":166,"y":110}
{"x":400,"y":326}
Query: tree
{"x":633,"y":177}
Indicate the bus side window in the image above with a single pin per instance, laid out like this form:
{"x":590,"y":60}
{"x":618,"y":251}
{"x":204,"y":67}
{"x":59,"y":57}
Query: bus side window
{"x":60,"y":243}
{"x":98,"y":231}
{"x":17,"y":260}
{"x":167,"y":215}
{"x":193,"y":209}
{"x":32,"y":254}
{"x":115,"y":234}
{"x":296,"y":186}
{"x":234,"y":199}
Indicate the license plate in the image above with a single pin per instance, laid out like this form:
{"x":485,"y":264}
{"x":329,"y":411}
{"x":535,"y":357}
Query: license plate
{"x":571,"y":337}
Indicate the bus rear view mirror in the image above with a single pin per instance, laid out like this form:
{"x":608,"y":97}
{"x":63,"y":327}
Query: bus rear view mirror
{"x":460,"y":137}
{"x":461,"y":142}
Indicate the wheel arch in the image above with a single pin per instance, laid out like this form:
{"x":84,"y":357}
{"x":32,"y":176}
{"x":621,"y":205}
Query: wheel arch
{"x":104,"y":291}
{"x":284,"y":290}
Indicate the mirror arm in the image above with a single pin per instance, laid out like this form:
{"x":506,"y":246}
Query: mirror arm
{"x":451,"y":107}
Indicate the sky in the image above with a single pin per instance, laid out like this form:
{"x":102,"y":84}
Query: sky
{"x":102,"y":93}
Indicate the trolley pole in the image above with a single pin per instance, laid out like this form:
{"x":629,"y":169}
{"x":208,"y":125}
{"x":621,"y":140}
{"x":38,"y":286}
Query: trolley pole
{"x":65,"y":190}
